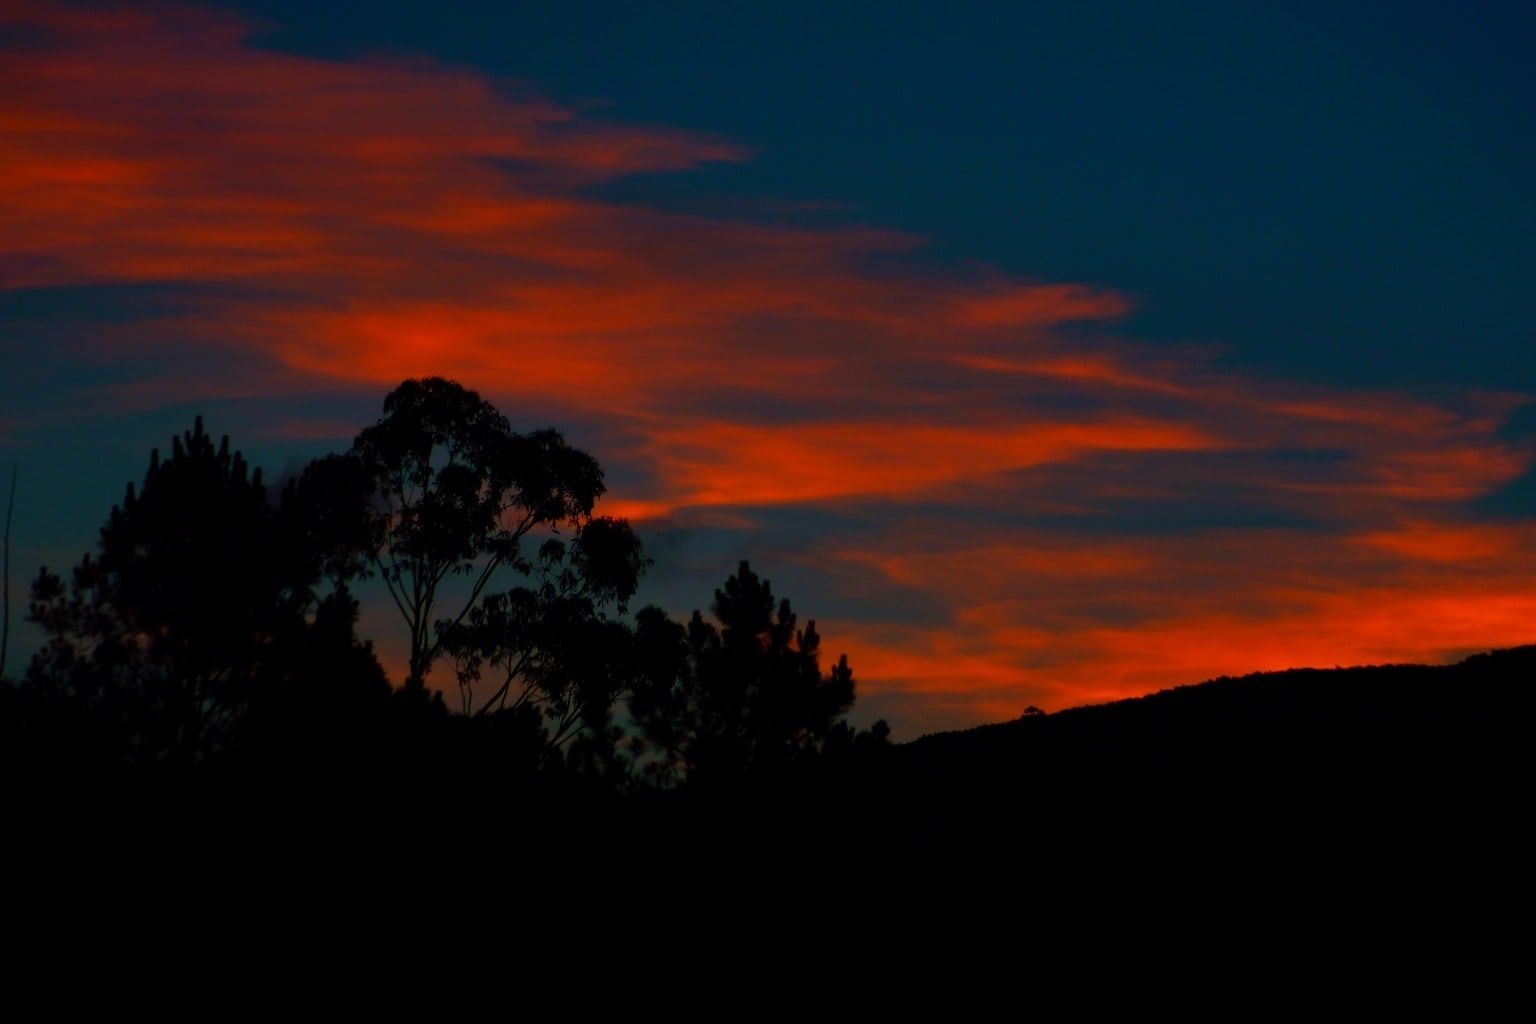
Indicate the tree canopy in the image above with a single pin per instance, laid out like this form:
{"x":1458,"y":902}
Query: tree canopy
{"x":442,"y":487}
{"x":216,"y":621}
{"x":201,"y":597}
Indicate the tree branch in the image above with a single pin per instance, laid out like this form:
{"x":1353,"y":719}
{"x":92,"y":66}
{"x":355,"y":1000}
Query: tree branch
{"x":501,"y":692}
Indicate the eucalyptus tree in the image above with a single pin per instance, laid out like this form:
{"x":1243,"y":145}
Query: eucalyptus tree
{"x":442,"y":489}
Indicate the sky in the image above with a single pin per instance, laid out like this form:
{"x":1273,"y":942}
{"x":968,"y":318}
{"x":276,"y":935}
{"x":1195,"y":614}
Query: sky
{"x":1043,"y":354}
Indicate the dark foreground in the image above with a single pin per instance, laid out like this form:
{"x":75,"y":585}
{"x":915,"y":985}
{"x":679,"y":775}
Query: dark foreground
{"x":1386,"y":775}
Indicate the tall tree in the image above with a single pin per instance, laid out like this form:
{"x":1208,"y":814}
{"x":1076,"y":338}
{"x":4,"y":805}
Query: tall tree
{"x":199,"y":594}
{"x":441,"y":487}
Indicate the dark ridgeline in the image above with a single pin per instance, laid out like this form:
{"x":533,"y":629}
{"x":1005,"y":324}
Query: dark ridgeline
{"x":1349,"y":749}
{"x":202,"y":673}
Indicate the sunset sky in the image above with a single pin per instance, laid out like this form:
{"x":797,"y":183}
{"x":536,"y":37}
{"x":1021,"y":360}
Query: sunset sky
{"x":1044,"y":354}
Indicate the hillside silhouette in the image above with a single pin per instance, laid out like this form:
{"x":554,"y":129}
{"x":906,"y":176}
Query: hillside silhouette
{"x":1326,"y":739}
{"x":1304,"y":723}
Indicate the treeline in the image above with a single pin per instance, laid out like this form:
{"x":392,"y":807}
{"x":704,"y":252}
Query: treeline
{"x":213,"y":632}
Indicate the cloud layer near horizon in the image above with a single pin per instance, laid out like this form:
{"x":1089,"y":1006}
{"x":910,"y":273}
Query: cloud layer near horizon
{"x":1011,"y":500}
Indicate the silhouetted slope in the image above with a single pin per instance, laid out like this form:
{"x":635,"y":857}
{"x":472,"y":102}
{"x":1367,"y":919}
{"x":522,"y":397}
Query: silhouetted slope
{"x":1335,"y":712}
{"x":1341,"y":748}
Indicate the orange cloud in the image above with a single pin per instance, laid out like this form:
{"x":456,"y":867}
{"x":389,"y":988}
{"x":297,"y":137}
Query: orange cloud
{"x":1454,"y":543}
{"x":1041,"y":305}
{"x":734,"y":464}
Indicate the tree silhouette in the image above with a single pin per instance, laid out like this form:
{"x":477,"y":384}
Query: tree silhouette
{"x":744,"y":697}
{"x":442,"y":487}
{"x":198,"y":597}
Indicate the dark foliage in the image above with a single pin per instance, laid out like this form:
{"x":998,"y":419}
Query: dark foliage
{"x":198,"y":606}
{"x":746,"y":697}
{"x":554,"y":647}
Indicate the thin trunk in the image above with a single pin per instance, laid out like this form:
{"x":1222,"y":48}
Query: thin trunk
{"x":5,"y":625}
